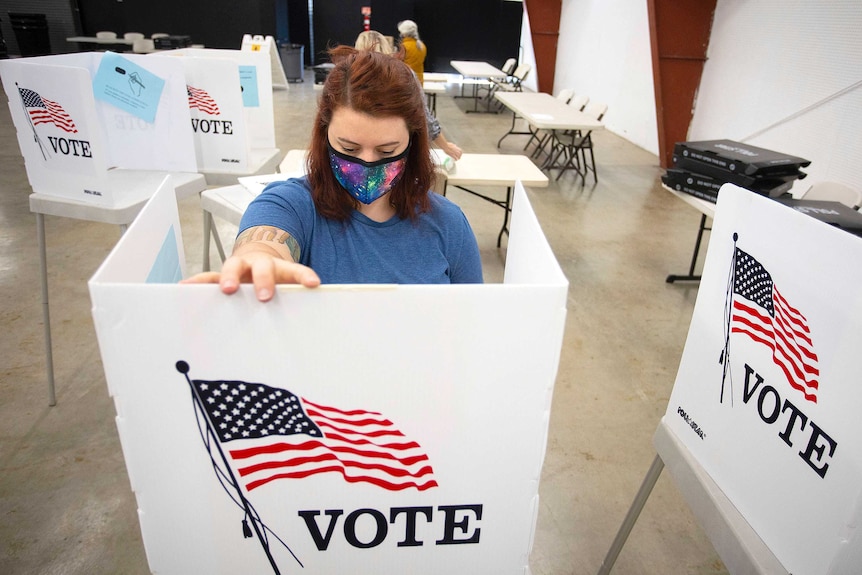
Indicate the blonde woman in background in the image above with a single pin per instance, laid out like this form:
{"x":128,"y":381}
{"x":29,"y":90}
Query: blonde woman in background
{"x":377,"y":42}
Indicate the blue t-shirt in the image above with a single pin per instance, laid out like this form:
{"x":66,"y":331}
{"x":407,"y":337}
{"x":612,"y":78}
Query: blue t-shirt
{"x":437,"y":248}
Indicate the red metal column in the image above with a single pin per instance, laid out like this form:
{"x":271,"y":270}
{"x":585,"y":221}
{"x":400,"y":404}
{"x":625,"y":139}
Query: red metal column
{"x":544,"y":18}
{"x":679,"y":38}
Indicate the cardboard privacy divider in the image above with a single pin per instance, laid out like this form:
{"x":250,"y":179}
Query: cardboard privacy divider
{"x":71,"y":141}
{"x":266,"y":45}
{"x":419,"y":413}
{"x":232,"y":113}
{"x":767,"y":397}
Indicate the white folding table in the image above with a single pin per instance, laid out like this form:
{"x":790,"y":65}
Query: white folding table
{"x":135,"y":187}
{"x":479,"y":72}
{"x":707,"y":210}
{"x":544,"y":112}
{"x":230,"y":202}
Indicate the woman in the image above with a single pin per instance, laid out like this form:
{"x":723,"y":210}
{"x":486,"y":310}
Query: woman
{"x":363,"y":214}
{"x":414,"y":48}
{"x":373,"y":40}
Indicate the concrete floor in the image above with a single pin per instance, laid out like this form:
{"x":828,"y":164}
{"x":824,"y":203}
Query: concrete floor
{"x":65,"y":501}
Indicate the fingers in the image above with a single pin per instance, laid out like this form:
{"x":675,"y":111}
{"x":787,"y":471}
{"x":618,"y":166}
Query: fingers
{"x":264,"y":273}
{"x":203,"y":278}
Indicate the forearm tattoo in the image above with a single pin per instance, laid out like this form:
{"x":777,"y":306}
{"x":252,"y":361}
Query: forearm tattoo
{"x":269,"y":234}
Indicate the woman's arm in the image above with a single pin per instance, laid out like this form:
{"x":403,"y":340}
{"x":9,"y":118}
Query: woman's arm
{"x":264,"y":256}
{"x":451,"y":149}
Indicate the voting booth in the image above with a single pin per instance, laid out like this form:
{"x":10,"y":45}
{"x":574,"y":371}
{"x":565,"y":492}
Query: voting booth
{"x":80,"y":116}
{"x":346,"y":428}
{"x":764,"y":413}
{"x":266,"y":45}
{"x":230,"y":101}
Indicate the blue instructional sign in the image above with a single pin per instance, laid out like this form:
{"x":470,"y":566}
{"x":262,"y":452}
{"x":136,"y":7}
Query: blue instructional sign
{"x":248,"y":84}
{"x":127,"y":86}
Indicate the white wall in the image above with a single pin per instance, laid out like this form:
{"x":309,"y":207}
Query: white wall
{"x":787,"y":75}
{"x":781,"y":74}
{"x":604,"y":52}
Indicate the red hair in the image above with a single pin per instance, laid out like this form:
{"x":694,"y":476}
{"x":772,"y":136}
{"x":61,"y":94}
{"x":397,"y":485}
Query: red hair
{"x":381,"y":86}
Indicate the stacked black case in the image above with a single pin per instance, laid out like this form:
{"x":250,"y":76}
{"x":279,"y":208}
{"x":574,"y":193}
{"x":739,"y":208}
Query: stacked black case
{"x":172,"y":42}
{"x":700,"y":168}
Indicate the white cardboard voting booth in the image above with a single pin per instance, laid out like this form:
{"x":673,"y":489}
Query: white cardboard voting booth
{"x":230,"y":98}
{"x":347,"y":428}
{"x":768,"y":396}
{"x":266,"y":45}
{"x":80,"y":115}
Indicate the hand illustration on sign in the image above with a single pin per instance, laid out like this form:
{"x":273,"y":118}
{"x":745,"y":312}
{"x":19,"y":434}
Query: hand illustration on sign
{"x":136,"y":84}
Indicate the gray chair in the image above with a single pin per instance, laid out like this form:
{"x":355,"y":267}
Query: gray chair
{"x":835,"y":192}
{"x":574,"y":150}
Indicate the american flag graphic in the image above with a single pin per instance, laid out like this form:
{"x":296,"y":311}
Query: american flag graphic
{"x":44,"y":111}
{"x":202,"y":101}
{"x":766,"y":317}
{"x":273,"y":434}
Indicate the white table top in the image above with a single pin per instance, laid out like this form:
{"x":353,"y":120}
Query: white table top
{"x":472,"y":69}
{"x":438,"y":77}
{"x":545,"y":112}
{"x":496,"y":170}
{"x":434,"y":87}
{"x":94,"y":40}
{"x":470,"y":170}
{"x":230,"y":202}
{"x":701,"y":205}
{"x":134,"y":188}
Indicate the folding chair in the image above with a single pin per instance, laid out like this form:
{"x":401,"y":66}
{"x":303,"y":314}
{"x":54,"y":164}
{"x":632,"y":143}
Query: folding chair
{"x":575,"y":150}
{"x":577,"y":101}
{"x":833,"y":191}
{"x":515,"y":84}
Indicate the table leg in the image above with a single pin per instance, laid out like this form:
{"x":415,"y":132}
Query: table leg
{"x":633,"y":513}
{"x":507,"y":208}
{"x":512,"y":131}
{"x":505,"y":204}
{"x":691,"y":276}
{"x":207,"y":233}
{"x":46,"y":313}
{"x":211,"y":234}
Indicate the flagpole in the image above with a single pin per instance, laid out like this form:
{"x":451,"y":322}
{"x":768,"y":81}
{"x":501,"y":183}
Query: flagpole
{"x":728,"y":314}
{"x":32,"y":127}
{"x":183,"y":368}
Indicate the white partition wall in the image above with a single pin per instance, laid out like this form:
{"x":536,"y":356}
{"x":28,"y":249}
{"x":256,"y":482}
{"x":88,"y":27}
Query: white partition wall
{"x":767,"y":397}
{"x":230,"y":96}
{"x":416,"y":439}
{"x":267,"y":45}
{"x":71,"y":136}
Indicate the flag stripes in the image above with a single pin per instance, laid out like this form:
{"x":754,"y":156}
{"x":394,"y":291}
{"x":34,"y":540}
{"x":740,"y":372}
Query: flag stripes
{"x":45,"y":111}
{"x":278,"y":435}
{"x":199,"y":99}
{"x":773,"y":322}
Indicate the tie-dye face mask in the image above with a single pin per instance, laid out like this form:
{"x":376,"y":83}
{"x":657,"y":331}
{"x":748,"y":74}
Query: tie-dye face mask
{"x":367,"y":181}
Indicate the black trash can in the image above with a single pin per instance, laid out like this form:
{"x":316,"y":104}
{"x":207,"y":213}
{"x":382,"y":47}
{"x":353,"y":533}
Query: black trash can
{"x":292,"y":59}
{"x":31,"y":31}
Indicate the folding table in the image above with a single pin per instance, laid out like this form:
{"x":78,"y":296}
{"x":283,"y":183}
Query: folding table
{"x":478,"y":71}
{"x":230,"y":202}
{"x":544,"y":112}
{"x":135,"y":187}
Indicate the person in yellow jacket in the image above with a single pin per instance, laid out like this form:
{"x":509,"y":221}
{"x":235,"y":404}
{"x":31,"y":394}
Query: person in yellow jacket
{"x":414,"y":48}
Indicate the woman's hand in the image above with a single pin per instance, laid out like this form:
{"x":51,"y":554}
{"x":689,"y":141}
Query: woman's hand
{"x":453,"y":151}
{"x":261,"y":269}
